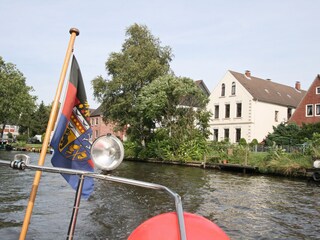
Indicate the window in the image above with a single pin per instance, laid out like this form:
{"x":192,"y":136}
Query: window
{"x":223,"y":90}
{"x":233,"y":88}
{"x":239,"y":110}
{"x":238,"y":134}
{"x":276,"y":116}
{"x":226,"y":134}
{"x":317,"y":90}
{"x":309,"y":111}
{"x":97,"y":133}
{"x":289,"y":113}
{"x":92,"y":121}
{"x":215,"y":135}
{"x":318,"y":109}
{"x":97,"y":121}
{"x":227,"y":113}
{"x":216,"y":111}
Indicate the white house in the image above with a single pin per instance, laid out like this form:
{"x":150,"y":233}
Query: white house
{"x":248,"y":107}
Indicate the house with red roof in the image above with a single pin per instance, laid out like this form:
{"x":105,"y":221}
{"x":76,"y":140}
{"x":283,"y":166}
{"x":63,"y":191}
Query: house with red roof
{"x":308,"y":110}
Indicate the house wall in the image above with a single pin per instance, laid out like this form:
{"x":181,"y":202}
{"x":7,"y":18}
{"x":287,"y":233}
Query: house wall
{"x":99,"y":128}
{"x":257,"y":118}
{"x":312,"y":97}
{"x":233,"y":122}
{"x":265,"y":118}
{"x":14,"y":130}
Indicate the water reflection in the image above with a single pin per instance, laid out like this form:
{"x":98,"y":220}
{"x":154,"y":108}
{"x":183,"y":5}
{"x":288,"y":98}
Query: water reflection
{"x":246,"y":207}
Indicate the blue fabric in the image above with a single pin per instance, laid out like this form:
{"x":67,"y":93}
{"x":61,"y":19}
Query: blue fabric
{"x":72,"y":138}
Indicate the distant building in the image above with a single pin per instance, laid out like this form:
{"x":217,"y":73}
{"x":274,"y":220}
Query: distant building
{"x":14,"y":130}
{"x":244,"y":106}
{"x":308,"y":111}
{"x":203,"y":87}
{"x":99,"y":127}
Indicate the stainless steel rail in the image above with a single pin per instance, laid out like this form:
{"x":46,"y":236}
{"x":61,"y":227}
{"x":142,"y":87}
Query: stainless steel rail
{"x":21,"y":165}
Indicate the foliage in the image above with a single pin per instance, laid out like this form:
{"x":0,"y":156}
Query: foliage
{"x":140,"y":62}
{"x":218,"y":151}
{"x":284,"y":134}
{"x":165,"y":115}
{"x":254,"y":142}
{"x":243,"y":142}
{"x":169,"y":102}
{"x":36,"y":122}
{"x":307,"y":130}
{"x":313,"y":146}
{"x":275,"y":153}
{"x":241,"y":154}
{"x":291,"y":134}
{"x":16,"y":102}
{"x":22,"y":138}
{"x":130,"y":149}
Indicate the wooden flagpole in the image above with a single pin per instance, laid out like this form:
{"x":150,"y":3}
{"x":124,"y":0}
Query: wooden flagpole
{"x":52,"y":119}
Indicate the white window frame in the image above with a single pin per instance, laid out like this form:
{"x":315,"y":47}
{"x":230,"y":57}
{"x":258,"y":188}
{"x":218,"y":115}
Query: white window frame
{"x":216,"y":107}
{"x":216,"y":137}
{"x":318,"y":90}
{"x":227,"y":113}
{"x":238,"y":113}
{"x":307,"y":105}
{"x":233,"y":89}
{"x":236,"y":135}
{"x":315,"y":109}
{"x":276,"y":116}
{"x":223,"y":90}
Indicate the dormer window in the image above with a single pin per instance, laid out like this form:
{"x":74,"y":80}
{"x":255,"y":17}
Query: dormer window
{"x":223,"y":90}
{"x":233,"y":88}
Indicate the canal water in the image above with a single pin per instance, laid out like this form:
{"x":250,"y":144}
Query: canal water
{"x":244,"y":206}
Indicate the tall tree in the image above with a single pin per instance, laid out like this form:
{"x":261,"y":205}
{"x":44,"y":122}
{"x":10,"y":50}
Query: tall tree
{"x":178,"y":106}
{"x":141,"y":60}
{"x":41,"y":117}
{"x":36,"y":122}
{"x":15,"y":96}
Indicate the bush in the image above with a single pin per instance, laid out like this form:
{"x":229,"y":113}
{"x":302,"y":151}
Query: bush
{"x":22,"y":138}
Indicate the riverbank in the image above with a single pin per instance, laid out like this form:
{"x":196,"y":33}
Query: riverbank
{"x":25,"y":148}
{"x":235,"y":202}
{"x":286,"y":165}
{"x":303,"y":173}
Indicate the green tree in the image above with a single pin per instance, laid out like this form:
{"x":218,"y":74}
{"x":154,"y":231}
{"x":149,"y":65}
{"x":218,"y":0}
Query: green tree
{"x":307,"y":130}
{"x":284,"y":134}
{"x":41,"y":117}
{"x":15,"y":97}
{"x":36,"y":122}
{"x":178,"y":107}
{"x":141,"y":60}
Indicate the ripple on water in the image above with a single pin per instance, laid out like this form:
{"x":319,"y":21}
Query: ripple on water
{"x":246,"y":207}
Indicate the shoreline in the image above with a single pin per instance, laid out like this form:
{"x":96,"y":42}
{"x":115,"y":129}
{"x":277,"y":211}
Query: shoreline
{"x":310,"y":174}
{"x":306,"y":174}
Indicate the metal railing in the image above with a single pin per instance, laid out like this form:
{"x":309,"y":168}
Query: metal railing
{"x":21,"y":162}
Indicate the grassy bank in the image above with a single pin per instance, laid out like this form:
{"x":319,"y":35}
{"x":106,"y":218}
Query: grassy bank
{"x":274,"y":161}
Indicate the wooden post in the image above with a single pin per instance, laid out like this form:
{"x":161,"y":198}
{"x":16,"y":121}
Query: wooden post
{"x":52,"y":119}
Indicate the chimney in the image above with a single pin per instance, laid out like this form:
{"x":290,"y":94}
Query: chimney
{"x":298,"y":86}
{"x":248,"y":74}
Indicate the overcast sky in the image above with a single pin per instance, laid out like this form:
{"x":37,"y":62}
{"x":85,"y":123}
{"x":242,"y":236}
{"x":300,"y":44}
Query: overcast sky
{"x":275,"y":39}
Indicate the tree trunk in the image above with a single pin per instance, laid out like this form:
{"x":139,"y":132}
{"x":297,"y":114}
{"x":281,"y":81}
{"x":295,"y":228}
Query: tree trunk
{"x":2,"y":130}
